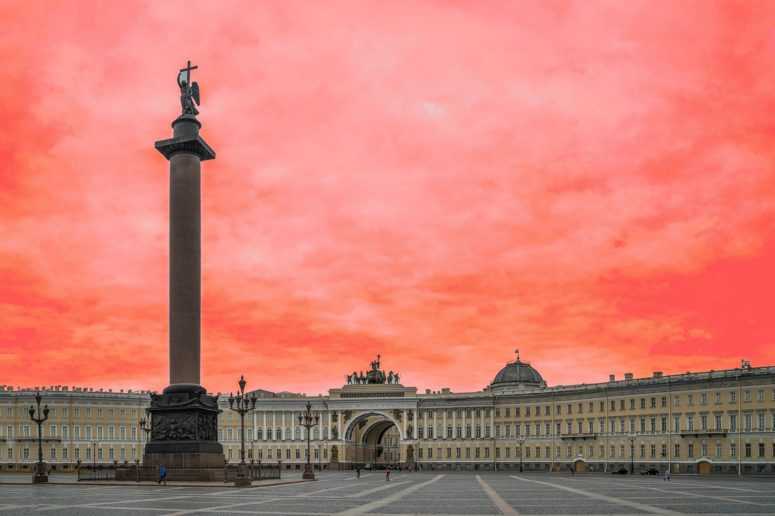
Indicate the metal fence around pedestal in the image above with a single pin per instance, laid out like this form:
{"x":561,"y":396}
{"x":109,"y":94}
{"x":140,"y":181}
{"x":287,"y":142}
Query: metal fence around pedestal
{"x":257,"y":471}
{"x":107,"y":472}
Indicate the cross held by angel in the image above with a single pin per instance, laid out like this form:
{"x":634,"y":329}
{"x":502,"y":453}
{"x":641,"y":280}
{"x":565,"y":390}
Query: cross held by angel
{"x":189,"y":91}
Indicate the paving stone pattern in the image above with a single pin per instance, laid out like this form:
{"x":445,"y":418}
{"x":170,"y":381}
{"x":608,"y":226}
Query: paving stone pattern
{"x":410,"y":493}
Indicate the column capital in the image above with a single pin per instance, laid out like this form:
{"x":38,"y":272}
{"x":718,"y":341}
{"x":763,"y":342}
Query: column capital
{"x":185,"y":139}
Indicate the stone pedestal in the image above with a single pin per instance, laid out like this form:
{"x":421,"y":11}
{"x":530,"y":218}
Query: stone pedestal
{"x":184,"y":435}
{"x":40,"y":475}
{"x":243,"y":476}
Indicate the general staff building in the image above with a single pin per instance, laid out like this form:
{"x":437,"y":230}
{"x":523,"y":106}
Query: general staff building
{"x":697,"y":422}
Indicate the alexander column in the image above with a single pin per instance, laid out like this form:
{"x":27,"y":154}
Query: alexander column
{"x":184,"y":435}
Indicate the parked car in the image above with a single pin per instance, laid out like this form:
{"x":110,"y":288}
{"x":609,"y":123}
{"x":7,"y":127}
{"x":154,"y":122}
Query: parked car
{"x":620,"y":471}
{"x":650,"y":471}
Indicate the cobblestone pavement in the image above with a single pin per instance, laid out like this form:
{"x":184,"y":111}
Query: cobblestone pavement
{"x":411,"y":493}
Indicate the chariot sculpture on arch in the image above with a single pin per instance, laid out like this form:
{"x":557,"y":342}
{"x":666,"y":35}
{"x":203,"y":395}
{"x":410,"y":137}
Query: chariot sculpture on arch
{"x":374,"y":376}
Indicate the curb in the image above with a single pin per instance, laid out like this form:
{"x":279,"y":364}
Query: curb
{"x":129,"y":483}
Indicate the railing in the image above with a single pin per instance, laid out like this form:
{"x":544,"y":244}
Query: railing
{"x":257,"y":471}
{"x":98,"y":472}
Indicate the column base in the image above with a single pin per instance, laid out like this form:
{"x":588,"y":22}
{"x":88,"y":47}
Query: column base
{"x":184,"y":436}
{"x":39,"y":475}
{"x":243,"y":476}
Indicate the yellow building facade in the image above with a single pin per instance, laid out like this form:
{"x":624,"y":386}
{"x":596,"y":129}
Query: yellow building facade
{"x":703,"y":422}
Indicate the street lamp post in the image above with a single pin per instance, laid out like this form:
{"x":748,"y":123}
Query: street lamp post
{"x":521,"y":441}
{"x":145,"y":426}
{"x":94,"y":457}
{"x":632,"y":454}
{"x":40,"y":475}
{"x":242,"y":404}
{"x":308,"y":421}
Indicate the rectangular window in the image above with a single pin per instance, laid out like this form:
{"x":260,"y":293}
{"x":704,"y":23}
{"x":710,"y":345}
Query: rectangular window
{"x":733,"y":449}
{"x":733,"y":422}
{"x":677,"y":451}
{"x":748,"y":450}
{"x":691,"y":450}
{"x":717,"y":417}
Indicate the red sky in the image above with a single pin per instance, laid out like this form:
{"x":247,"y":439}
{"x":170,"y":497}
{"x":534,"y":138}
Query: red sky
{"x":438,"y":182}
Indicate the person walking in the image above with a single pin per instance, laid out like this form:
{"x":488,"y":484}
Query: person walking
{"x":387,"y":474}
{"x":357,"y":472}
{"x":667,"y":475}
{"x":162,"y":474}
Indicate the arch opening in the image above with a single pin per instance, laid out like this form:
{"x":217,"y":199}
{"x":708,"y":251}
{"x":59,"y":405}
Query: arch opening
{"x":373,"y":441}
